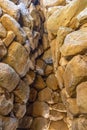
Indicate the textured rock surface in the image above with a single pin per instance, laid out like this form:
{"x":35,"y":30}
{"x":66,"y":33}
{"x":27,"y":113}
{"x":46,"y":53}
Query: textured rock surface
{"x":75,"y":73}
{"x":74,"y":43}
{"x":18,"y":58}
{"x":11,"y":25}
{"x":43,"y":59}
{"x":82,"y":96}
{"x":7,"y":74}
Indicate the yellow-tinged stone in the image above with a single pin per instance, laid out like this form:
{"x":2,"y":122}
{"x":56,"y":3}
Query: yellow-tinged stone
{"x":65,"y":16}
{"x":17,"y":58}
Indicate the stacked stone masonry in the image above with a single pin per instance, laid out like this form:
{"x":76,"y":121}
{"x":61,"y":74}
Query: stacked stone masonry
{"x":43,"y":64}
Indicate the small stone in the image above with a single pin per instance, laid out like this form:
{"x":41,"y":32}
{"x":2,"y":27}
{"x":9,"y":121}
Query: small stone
{"x":27,"y":46}
{"x":40,"y":109}
{"x":79,"y":123}
{"x":17,"y":58}
{"x":63,"y":61}
{"x":82,"y":16}
{"x":3,"y":50}
{"x":82,"y":97}
{"x":64,"y":96}
{"x":12,"y":25}
{"x":39,"y":83}
{"x":47,"y":57}
{"x":30,"y":77}
{"x":33,"y":95}
{"x":45,"y":95}
{"x":75,"y":73}
{"x":22,"y":92}
{"x":9,"y":38}
{"x":25,"y":122}
{"x":55,"y":115}
{"x":45,"y":41}
{"x":55,"y":97}
{"x":6,"y":104}
{"x":9,"y":79}
{"x":52,"y":82}
{"x":40,"y":124}
{"x":2,"y":31}
{"x":10,"y":8}
{"x":48,"y":70}
{"x":9,"y":123}
{"x":73,"y":45}
{"x":59,"y":107}
{"x":19,"y":110}
{"x":58,"y":125}
{"x":59,"y":76}
{"x":40,"y":66}
{"x":72,"y":106}
{"x":49,"y":3}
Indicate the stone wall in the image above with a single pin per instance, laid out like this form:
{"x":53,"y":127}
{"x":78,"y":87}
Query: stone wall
{"x":20,"y":45}
{"x":43,"y":65}
{"x":67,"y":32}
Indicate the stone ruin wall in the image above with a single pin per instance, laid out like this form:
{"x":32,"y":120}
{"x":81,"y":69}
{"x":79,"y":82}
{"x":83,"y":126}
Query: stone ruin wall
{"x":43,"y":65}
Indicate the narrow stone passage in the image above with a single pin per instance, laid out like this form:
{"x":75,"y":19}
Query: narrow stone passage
{"x":43,"y":78}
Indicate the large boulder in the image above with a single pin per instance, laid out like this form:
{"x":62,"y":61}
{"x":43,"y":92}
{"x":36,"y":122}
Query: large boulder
{"x":75,"y":43}
{"x":9,"y":79}
{"x":75,"y":73}
{"x":65,"y":17}
{"x":17,"y":58}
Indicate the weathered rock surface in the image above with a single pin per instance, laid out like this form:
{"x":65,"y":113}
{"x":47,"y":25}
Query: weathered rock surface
{"x":57,"y":19}
{"x":72,"y":106}
{"x":52,"y":82}
{"x":9,"y":38}
{"x":49,"y":3}
{"x":10,"y":8}
{"x":18,"y":58}
{"x":19,"y":110}
{"x":3,"y":50}
{"x":22,"y":92}
{"x":40,"y":124}
{"x":39,"y":83}
{"x":40,"y":109}
{"x":2,"y":31}
{"x":80,"y":124}
{"x":12,"y":25}
{"x":74,"y":43}
{"x":82,"y":96}
{"x":7,"y":74}
{"x":75,"y":73}
{"x":10,"y":123}
{"x":6,"y":104}
{"x":58,"y":125}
